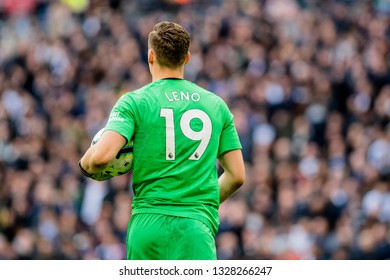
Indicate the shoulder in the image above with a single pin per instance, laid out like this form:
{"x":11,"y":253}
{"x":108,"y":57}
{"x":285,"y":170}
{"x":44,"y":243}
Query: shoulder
{"x":137,"y":92}
{"x":131,"y":96}
{"x":209,"y":94}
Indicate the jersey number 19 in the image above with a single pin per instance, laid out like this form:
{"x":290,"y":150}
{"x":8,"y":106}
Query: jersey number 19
{"x":202,"y":135}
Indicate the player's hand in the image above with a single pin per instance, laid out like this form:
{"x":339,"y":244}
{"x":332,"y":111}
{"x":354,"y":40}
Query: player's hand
{"x":101,"y":176}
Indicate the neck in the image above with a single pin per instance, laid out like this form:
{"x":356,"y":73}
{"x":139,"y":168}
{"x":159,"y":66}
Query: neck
{"x":164,"y":73}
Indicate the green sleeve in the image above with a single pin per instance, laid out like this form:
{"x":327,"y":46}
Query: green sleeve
{"x":229,"y":138}
{"x":122,"y":118}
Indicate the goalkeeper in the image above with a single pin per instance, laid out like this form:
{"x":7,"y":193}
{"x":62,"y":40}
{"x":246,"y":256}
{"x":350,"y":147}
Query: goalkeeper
{"x":179,"y":131}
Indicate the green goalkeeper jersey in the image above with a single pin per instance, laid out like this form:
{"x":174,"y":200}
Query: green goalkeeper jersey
{"x":178,"y":130}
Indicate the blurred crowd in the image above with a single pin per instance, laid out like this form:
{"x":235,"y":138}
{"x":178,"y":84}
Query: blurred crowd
{"x":308,"y":82}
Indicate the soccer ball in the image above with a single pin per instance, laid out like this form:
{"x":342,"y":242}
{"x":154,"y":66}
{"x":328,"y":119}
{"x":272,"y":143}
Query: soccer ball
{"x":121,"y":164}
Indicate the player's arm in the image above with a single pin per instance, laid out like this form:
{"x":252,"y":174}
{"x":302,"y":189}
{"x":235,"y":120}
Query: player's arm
{"x":234,"y":173}
{"x":101,"y":153}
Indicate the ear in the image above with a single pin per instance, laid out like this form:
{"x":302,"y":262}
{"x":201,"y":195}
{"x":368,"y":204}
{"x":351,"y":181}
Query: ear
{"x":188,"y":56}
{"x":151,"y":57}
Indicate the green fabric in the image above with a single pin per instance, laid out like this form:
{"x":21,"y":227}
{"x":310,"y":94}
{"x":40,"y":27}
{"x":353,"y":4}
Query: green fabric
{"x":179,"y":129}
{"x":161,"y":237}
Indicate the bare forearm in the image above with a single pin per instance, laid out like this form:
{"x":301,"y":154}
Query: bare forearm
{"x":227,"y":186}
{"x":89,"y":165}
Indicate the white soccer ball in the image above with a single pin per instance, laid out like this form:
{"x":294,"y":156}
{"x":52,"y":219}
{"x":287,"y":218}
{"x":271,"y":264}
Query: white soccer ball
{"x":121,"y":164}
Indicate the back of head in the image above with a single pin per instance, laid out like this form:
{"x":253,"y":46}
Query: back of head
{"x":170,"y":43}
